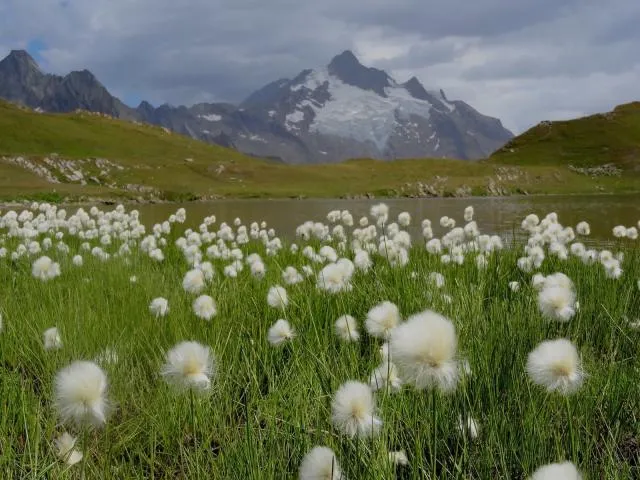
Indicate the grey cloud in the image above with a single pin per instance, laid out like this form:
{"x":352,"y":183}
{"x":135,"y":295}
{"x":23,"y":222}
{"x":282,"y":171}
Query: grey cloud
{"x":522,"y":60}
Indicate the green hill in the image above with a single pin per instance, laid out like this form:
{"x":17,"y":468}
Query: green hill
{"x":593,"y":141}
{"x":83,"y":155}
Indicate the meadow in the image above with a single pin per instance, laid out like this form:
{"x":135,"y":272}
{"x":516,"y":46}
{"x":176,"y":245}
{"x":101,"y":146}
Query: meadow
{"x":357,"y":352}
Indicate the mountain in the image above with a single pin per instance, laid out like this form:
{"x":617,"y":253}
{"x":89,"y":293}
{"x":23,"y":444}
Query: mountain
{"x":22,"y":81}
{"x":340,"y":111}
{"x":347,"y":110}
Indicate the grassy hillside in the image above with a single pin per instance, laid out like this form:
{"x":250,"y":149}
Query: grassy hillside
{"x":612,"y":137}
{"x":69,"y":156}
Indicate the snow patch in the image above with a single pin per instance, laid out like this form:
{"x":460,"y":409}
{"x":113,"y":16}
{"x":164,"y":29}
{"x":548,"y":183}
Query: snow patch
{"x":212,"y":117}
{"x":293,"y":118}
{"x":352,"y":112}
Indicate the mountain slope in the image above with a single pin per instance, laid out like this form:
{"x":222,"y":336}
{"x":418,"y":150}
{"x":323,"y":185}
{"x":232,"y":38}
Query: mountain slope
{"x":84,"y":156}
{"x":329,"y":114}
{"x":588,"y":142}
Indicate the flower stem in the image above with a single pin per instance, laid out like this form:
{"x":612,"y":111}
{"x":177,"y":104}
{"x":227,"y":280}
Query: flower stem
{"x":85,"y":452}
{"x":193,"y":423}
{"x":572,"y":437}
{"x":434,"y":432}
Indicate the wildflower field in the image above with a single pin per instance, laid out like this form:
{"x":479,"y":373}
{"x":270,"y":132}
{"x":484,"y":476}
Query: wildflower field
{"x":357,"y":352}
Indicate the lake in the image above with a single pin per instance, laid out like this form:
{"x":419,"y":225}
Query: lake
{"x":493,"y":214}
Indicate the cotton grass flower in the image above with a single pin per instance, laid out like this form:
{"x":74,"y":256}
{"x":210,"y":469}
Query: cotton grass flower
{"x":424,"y":350}
{"x":194,"y":281}
{"x":65,"y":450}
{"x":291,"y":276}
{"x":51,"y":339}
{"x":555,"y":365}
{"x":320,"y":463}
{"x":189,"y":366}
{"x":346,"y":327}
{"x":385,"y":377}
{"x":277,"y":297}
{"x":382,"y":319}
{"x":404,"y":219}
{"x":398,"y":458}
{"x":353,"y":408}
{"x":334,"y":278}
{"x":469,"y":428}
{"x":45,"y":269}
{"x":620,"y":231}
{"x":205,"y":307}
{"x":514,"y":286}
{"x":583,"y":228}
{"x":557,"y":302}
{"x":80,"y":394}
{"x":280,"y":333}
{"x":159,"y":307}
{"x":77,"y":260}
{"x":557,"y":471}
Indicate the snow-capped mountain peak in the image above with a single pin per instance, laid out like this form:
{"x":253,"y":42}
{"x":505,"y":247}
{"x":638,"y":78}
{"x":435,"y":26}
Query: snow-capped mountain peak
{"x":363,"y":111}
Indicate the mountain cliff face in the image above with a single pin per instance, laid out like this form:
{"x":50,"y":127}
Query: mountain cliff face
{"x":22,"y":81}
{"x":328,"y":114}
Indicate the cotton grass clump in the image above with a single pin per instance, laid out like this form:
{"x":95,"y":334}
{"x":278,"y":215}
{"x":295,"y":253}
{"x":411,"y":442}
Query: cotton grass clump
{"x":280,"y":379}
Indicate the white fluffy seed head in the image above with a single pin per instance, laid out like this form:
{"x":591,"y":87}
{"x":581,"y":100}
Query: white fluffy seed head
{"x":45,"y":269}
{"x":557,"y":471}
{"x":555,"y":365}
{"x":277,"y":297}
{"x":557,"y":302}
{"x":51,"y":339}
{"x":346,"y":328}
{"x":398,"y":458}
{"x":65,"y":450}
{"x":80,"y":390}
{"x":205,"y":307}
{"x":382,"y":319}
{"x":353,"y":410}
{"x":189,"y":365}
{"x":159,"y":307}
{"x":280,"y":332}
{"x":424,"y":350}
{"x":320,"y":463}
{"x":193,"y":281}
{"x":385,"y":377}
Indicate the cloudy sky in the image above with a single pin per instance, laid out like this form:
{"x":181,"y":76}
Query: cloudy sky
{"x":520,"y":60}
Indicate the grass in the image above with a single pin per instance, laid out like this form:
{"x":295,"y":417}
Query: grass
{"x":174,"y":167}
{"x":269,"y":406}
{"x":612,"y":137}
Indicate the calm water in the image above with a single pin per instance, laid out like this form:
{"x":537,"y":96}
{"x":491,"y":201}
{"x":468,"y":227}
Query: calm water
{"x":494,"y":215}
